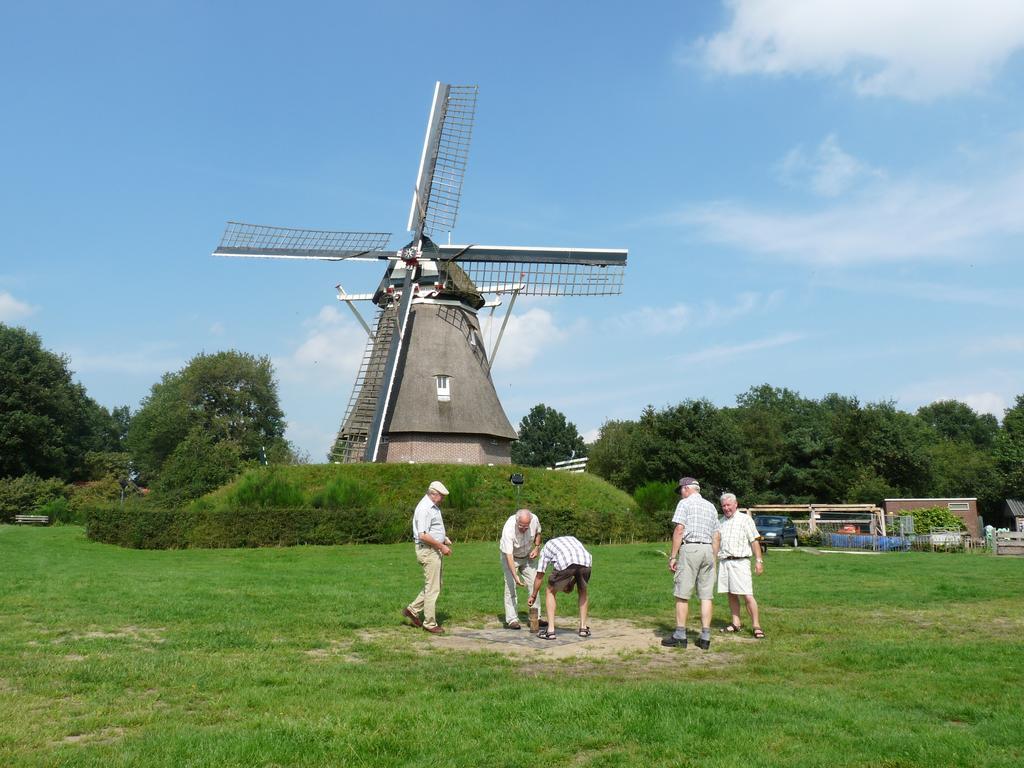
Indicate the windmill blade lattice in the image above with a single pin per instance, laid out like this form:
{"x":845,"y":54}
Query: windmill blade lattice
{"x":542,"y":271}
{"x":540,"y":279}
{"x":446,"y":152}
{"x":259,"y":241}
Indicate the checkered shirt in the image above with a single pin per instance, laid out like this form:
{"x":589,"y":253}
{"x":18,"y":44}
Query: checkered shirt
{"x":563,"y":551}
{"x":737,"y":533}
{"x":698,"y":517}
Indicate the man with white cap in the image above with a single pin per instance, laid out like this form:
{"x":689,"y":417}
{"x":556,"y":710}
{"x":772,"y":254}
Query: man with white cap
{"x":696,"y":539}
{"x":519,"y":546}
{"x":432,"y":544}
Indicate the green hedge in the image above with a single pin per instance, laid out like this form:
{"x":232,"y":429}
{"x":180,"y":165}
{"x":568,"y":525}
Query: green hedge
{"x":205,"y":525}
{"x":341,"y":504}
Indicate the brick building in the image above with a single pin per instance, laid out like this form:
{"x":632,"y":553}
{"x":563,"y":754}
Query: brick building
{"x":965,"y":509}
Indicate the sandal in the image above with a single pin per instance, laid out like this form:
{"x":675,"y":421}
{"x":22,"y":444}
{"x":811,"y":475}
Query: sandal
{"x":732,"y":628}
{"x":758,"y":633}
{"x":584,"y":631}
{"x":545,"y":635}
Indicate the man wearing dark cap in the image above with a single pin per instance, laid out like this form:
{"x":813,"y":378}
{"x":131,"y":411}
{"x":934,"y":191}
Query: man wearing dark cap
{"x":432,"y":544}
{"x":694,"y":549}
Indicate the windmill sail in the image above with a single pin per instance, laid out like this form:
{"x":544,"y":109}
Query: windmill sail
{"x":542,"y":271}
{"x":256,"y":241}
{"x":424,"y":390}
{"x":435,"y":201}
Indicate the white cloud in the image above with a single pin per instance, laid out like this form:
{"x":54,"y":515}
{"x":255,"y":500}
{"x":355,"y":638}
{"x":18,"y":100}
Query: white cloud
{"x":913,"y":49}
{"x":526,"y":336}
{"x":217,"y":329}
{"x":332,"y":350}
{"x":12,"y":309}
{"x":891,"y":221}
{"x":655,"y":321}
{"x":728,"y":352}
{"x":829,"y":171}
{"x":963,"y":389}
{"x":927,"y":290}
{"x":985,"y":402}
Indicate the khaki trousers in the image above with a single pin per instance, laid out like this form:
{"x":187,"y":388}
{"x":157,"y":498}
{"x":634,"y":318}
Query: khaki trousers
{"x":426,"y":601}
{"x":527,"y":570}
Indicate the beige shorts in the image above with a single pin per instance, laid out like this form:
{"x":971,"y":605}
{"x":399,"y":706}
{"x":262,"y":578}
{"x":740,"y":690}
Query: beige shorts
{"x":734,"y":577}
{"x":696,"y":569}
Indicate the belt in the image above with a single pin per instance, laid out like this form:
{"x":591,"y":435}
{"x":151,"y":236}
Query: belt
{"x":746,"y":557}
{"x":696,"y":542}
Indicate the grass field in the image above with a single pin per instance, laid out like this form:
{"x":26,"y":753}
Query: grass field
{"x":281,"y":657}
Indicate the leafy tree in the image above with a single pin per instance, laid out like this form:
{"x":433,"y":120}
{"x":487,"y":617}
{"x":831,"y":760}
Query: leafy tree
{"x":545,"y":436}
{"x":26,"y":494}
{"x":229,"y":396}
{"x":47,"y":421}
{"x":198,"y":465}
{"x":1008,"y":452}
{"x":693,"y":438}
{"x":957,"y":421}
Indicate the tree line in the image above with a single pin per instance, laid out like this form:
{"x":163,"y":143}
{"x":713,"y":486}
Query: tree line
{"x":195,"y":430}
{"x":775,"y":446}
{"x":199,"y":426}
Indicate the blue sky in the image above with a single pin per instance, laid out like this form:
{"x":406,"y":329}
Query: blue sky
{"x":827,"y":196}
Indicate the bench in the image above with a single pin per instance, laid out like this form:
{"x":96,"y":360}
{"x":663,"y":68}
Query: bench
{"x":31,"y":520}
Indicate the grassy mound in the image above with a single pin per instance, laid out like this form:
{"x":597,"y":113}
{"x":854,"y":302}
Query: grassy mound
{"x":372,"y":503}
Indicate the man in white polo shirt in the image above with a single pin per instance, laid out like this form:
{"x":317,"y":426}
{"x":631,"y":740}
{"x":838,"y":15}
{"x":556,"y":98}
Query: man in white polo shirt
{"x":572,"y":569}
{"x":519,"y":545}
{"x":738,"y":541}
{"x":432,"y":544}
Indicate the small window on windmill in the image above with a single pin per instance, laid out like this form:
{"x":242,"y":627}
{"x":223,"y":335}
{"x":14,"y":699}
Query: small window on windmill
{"x":444,"y":390}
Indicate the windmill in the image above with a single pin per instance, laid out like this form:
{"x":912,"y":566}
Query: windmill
{"x":424,"y":390}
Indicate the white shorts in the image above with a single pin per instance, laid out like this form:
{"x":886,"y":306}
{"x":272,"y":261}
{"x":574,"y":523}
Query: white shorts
{"x":734,"y":577}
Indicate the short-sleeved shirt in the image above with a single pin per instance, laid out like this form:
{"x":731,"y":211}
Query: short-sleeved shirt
{"x":562,"y":552}
{"x":698,"y":517}
{"x":516,"y":543}
{"x":737,"y":532}
{"x":427,"y":519}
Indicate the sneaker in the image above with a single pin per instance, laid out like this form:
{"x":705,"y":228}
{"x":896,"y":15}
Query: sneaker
{"x":674,"y":642}
{"x":513,"y":625}
{"x":416,"y":621}
{"x":435,"y":630}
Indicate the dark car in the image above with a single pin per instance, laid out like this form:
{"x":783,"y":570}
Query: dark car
{"x":776,"y":529}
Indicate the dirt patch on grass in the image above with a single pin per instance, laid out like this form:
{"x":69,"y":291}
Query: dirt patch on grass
{"x":102,"y":736}
{"x":132,"y":633}
{"x":613,"y":643}
{"x":336,"y":649}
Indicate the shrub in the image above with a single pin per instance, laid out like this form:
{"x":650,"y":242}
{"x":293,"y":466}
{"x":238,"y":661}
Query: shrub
{"x":652,"y":498}
{"x":344,"y":493}
{"x":267,"y":487}
{"x":197,"y":466}
{"x":87,"y":495}
{"x":27,"y":494}
{"x":462,"y":488}
{"x":138,"y":525}
{"x":931,"y":518}
{"x":59,"y":511}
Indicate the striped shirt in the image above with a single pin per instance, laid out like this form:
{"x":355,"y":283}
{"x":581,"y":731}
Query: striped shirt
{"x":563,"y":551}
{"x":698,"y":517}
{"x":737,"y":533}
